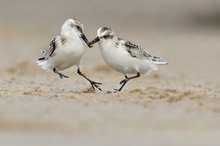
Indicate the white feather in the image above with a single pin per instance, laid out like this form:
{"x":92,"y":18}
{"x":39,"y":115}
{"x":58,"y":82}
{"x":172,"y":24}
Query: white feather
{"x":161,"y":63}
{"x":45,"y":64}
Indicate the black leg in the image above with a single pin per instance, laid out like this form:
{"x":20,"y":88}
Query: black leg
{"x":94,"y":84}
{"x":123,"y":82}
{"x":60,"y":74}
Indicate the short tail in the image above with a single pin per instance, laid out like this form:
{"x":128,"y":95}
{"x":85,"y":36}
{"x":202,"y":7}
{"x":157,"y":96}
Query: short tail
{"x":158,"y":60}
{"x":44,"y":64}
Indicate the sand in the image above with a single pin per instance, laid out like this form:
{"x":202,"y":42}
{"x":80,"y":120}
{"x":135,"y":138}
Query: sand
{"x":177,"y":105}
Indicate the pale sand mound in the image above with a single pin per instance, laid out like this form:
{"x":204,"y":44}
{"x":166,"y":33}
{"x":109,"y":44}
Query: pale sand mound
{"x":41,"y":108}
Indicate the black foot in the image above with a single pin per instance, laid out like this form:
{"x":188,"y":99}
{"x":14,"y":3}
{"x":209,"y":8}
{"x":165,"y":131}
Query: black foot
{"x":95,"y":85}
{"x":63,"y":76}
{"x":116,"y":90}
{"x":60,"y":74}
{"x":124,"y":81}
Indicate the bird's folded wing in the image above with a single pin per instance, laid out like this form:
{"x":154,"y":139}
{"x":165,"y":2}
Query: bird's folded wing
{"x":50,"y":50}
{"x":137,"y":51}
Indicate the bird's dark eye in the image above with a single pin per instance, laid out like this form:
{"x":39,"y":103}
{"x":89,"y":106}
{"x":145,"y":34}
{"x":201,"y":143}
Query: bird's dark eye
{"x":79,"y":28}
{"x":106,"y":36}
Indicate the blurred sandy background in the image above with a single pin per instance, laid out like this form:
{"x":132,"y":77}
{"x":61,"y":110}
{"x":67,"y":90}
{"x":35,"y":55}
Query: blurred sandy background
{"x":177,"y":105}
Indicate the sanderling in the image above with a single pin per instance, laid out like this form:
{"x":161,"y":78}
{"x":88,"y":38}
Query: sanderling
{"x":66,"y":50}
{"x":124,"y":56}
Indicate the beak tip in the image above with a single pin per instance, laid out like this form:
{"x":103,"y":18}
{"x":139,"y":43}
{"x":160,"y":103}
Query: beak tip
{"x":90,"y":45}
{"x":94,"y":41}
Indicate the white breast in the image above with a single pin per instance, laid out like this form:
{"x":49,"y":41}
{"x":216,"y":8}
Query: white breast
{"x":69,"y":54}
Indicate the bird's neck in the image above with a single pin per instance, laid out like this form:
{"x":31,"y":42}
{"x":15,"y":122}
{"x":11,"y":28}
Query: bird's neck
{"x":114,"y":39}
{"x":70,"y":34}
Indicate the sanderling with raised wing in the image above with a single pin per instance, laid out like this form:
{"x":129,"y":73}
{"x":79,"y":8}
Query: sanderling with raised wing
{"x":124,"y":56}
{"x":66,"y":50}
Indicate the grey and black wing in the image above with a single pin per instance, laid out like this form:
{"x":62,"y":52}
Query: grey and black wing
{"x":48,"y":52}
{"x":138,"y":52}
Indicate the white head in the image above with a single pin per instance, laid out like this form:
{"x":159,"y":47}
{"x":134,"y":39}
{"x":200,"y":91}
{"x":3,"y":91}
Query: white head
{"x":73,"y":26}
{"x":103,"y":33}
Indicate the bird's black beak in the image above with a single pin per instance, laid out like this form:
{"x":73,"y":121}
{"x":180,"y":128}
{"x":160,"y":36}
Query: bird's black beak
{"x":94,"y":41}
{"x":85,"y":40}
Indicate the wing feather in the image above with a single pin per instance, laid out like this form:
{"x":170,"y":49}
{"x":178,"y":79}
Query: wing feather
{"x":138,"y":52}
{"x":48,"y":52}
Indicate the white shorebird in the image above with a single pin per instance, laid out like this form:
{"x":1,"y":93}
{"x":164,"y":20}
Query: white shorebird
{"x":124,"y":56}
{"x":66,"y":50}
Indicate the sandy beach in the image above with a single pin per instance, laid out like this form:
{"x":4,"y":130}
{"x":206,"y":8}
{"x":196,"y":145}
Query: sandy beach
{"x":177,"y":105}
